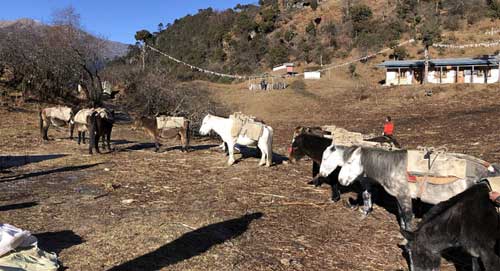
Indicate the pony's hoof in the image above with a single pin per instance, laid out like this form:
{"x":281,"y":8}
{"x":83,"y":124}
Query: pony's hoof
{"x":336,"y":199}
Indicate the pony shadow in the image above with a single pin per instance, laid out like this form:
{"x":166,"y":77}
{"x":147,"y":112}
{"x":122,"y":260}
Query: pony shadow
{"x":202,"y":147}
{"x":58,"y":241}
{"x":248,"y":152}
{"x":139,"y":147}
{"x":121,"y":142}
{"x":189,"y":245}
{"x":46,"y":172}
{"x":18,"y":206}
{"x":21,"y":160}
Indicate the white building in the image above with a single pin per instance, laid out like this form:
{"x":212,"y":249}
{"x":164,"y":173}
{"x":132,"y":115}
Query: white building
{"x":484,"y":70}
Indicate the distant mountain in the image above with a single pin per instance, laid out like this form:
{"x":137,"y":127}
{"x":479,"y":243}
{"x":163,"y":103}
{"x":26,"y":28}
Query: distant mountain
{"x":113,"y":50}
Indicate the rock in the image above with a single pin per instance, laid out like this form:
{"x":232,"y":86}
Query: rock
{"x":128,"y":201}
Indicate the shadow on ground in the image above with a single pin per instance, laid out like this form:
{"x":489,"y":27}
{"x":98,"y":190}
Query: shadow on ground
{"x":46,"y":172}
{"x":58,"y":241}
{"x":17,"y":206}
{"x":21,"y":160}
{"x":190,"y":244}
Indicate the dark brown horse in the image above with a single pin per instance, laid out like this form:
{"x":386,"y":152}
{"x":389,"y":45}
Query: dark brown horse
{"x":310,"y":142}
{"x":100,"y":126}
{"x":150,"y":126}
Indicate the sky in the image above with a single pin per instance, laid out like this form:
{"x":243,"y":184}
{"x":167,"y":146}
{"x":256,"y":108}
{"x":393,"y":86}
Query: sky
{"x":116,"y":20}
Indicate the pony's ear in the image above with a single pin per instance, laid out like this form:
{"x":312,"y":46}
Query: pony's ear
{"x":408,"y":235}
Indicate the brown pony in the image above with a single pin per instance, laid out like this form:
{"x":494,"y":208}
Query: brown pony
{"x":150,"y":126}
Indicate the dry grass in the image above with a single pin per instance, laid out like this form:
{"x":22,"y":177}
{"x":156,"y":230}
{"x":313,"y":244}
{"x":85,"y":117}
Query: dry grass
{"x":78,"y":196}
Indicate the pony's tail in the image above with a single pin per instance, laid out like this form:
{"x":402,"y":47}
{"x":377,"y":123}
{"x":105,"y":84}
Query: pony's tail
{"x":188,"y":133}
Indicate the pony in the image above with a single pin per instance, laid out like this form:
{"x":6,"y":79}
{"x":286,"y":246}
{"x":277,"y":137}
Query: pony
{"x":150,"y":127}
{"x":334,"y":158}
{"x":223,"y":126}
{"x":389,"y":169}
{"x":57,"y":116}
{"x":468,"y":220}
{"x":100,"y":125}
{"x":310,"y":142}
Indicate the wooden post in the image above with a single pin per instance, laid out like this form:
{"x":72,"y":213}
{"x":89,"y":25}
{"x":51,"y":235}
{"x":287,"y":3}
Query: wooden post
{"x":486,"y":75}
{"x":426,"y":64}
{"x":472,"y":75}
{"x":441,"y":75}
{"x":456,"y":75}
{"x":399,"y":76}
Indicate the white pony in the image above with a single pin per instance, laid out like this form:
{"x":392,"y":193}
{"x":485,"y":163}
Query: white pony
{"x":222,"y":126}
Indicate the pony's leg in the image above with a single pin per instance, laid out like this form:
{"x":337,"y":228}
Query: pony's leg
{"x":367,"y":197}
{"x":475,"y":264}
{"x":79,"y":137}
{"x":108,"y":140}
{"x":490,"y":259}
{"x":96,"y":143}
{"x":83,"y":137}
{"x":335,"y":189}
{"x":269,"y":148}
{"x":264,"y":152}
{"x":46,"y":131}
{"x":405,"y":212}
{"x":183,"y":141}
{"x":315,"y":169}
{"x":230,"y":149}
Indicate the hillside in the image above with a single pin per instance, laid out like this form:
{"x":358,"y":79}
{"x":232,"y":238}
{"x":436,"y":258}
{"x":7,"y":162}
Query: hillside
{"x":251,"y":39}
{"x":112,"y":49}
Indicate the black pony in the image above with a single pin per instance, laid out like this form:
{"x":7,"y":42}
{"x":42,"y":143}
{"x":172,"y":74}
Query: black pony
{"x":100,"y":127}
{"x":469,"y":220}
{"x":310,"y":142}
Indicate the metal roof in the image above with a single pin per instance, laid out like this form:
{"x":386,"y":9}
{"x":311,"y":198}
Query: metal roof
{"x":485,"y":61}
{"x":401,"y":63}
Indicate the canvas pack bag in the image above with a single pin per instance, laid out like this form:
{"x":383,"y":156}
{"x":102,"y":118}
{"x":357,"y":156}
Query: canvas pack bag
{"x":19,"y":252}
{"x":244,"y":125}
{"x":165,"y":122}
{"x":81,"y":116}
{"x":60,"y":112}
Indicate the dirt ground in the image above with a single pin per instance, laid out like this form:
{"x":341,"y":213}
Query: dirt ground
{"x":133,"y":209}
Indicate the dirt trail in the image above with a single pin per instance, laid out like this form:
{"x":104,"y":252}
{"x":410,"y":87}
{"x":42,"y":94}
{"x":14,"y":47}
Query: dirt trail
{"x":140,"y":210}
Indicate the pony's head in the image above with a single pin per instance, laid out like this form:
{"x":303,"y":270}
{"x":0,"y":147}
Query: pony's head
{"x":206,"y":125}
{"x":419,"y":257}
{"x":295,"y":153}
{"x":351,"y":169}
{"x":331,"y":159}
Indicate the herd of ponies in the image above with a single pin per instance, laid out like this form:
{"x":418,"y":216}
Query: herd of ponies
{"x":463,"y":214}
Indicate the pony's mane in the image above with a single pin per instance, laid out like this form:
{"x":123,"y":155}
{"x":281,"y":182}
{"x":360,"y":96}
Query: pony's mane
{"x":375,"y":157}
{"x":476,"y":191}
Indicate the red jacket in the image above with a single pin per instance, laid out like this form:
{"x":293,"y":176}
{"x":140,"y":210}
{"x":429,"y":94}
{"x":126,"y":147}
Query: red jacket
{"x":388,"y":128}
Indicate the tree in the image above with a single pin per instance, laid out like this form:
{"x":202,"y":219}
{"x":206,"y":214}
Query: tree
{"x":143,"y":36}
{"x":430,"y":33}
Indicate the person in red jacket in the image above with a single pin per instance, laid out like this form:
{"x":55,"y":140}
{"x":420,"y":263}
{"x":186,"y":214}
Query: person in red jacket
{"x":389,"y":131}
{"x":388,"y":127}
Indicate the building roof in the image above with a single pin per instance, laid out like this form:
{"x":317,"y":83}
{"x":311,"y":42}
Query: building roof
{"x":486,"y":61}
{"x":401,"y":63}
{"x":483,"y":61}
